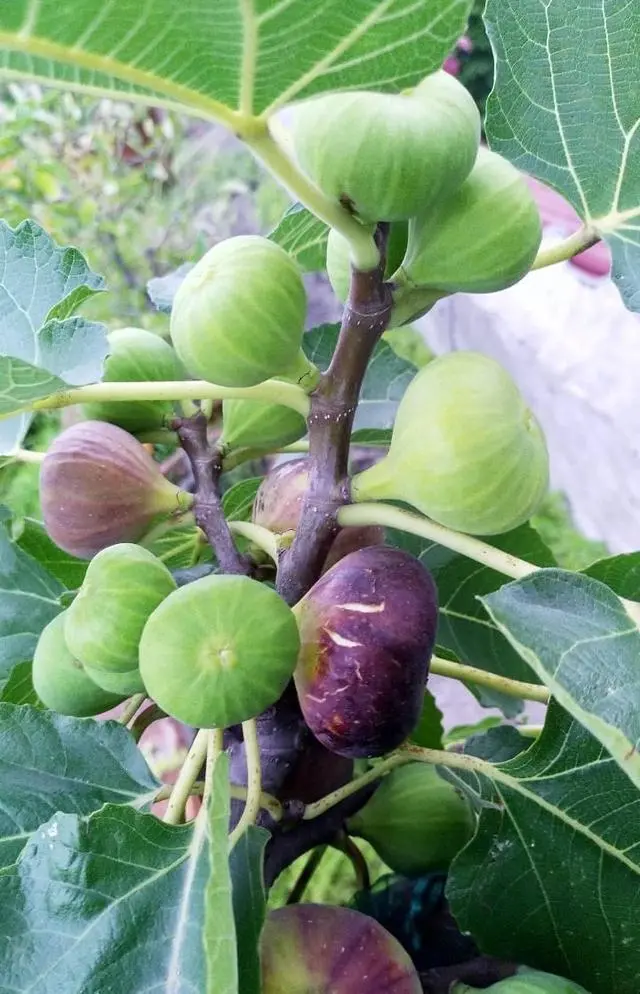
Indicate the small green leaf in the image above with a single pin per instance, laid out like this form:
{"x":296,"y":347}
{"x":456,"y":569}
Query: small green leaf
{"x":379,"y":437}
{"x":237,"y":502}
{"x":429,"y":732}
{"x":576,"y":636}
{"x":304,"y":237}
{"x":19,"y":687}
{"x":52,"y":763}
{"x":32,"y":538}
{"x":219,"y":933}
{"x":249,"y":904}
{"x":621,"y":573}
{"x":181,"y":547}
{"x":460,"y":733}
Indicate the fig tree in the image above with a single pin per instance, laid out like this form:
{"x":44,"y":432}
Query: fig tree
{"x":238,"y":317}
{"x":526,"y":982}
{"x":367,"y":630}
{"x":319,"y":949}
{"x":339,"y":261}
{"x":122,"y":586}
{"x":219,"y":650}
{"x":416,"y":821}
{"x":388,"y":157}
{"x":482,"y":238}
{"x":136,"y":355}
{"x":465,"y":451}
{"x":59,"y":679}
{"x":99,"y":486}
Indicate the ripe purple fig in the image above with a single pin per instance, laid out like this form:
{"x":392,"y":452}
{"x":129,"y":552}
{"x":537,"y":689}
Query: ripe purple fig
{"x":367,"y":630}
{"x":330,"y":950}
{"x":278,"y":506}
{"x":99,"y":486}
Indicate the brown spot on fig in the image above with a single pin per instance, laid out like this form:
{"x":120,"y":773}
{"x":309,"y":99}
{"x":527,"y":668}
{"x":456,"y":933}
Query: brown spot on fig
{"x":371,"y":621}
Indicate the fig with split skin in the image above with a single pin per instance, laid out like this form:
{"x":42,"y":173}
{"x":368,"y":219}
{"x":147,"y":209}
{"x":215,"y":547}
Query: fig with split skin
{"x":136,"y":355}
{"x":123,"y":585}
{"x":416,"y":821}
{"x":219,"y":651}
{"x":238,"y":316}
{"x":99,"y":486}
{"x":278,"y":506}
{"x":526,"y":981}
{"x":482,"y":238}
{"x":388,"y":157}
{"x":59,"y":679}
{"x":322,"y":949}
{"x":466,"y":450}
{"x":367,"y":631}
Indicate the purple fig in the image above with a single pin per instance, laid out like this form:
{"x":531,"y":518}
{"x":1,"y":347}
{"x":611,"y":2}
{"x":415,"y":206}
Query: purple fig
{"x":317,"y":948}
{"x":278,"y":506}
{"x":99,"y":486}
{"x":367,"y":631}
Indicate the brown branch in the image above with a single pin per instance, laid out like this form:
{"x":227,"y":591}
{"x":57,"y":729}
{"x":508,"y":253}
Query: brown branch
{"x":206,"y":463}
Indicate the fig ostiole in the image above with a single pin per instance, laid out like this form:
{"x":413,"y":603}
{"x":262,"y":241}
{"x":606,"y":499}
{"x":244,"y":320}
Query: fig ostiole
{"x":481,"y":239}
{"x":123,"y":585}
{"x":416,"y":821}
{"x":278,"y":506}
{"x":338,"y":260}
{"x":322,"y":949}
{"x":466,"y":450}
{"x":367,"y":631}
{"x":526,"y":981}
{"x":238,"y":316}
{"x":219,"y":651}
{"x":388,"y":157}
{"x":136,"y":355}
{"x":59,"y":679}
{"x":99,"y":486}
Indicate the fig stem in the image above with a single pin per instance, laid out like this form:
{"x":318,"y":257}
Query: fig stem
{"x":471,"y":674}
{"x":364,"y":251}
{"x":206,"y":463}
{"x":576,"y":243}
{"x":131,"y":708}
{"x":186,"y":778}
{"x":27,"y":455}
{"x":215,"y":745}
{"x":145,"y":719}
{"x":258,"y":535}
{"x":270,"y":392}
{"x":267,"y":801}
{"x":302,"y":882}
{"x":254,"y":781}
{"x":345,"y":844}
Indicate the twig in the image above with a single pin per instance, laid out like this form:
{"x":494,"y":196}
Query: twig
{"x":471,"y":674}
{"x":186,"y":778}
{"x":267,"y":801}
{"x":254,"y":788}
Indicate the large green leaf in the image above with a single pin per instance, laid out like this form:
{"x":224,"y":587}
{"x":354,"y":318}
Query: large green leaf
{"x":211,"y":57}
{"x":111,"y":903}
{"x":552,"y":876}
{"x":19,"y":687}
{"x":249,"y":904}
{"x":464,"y":628}
{"x":43,"y":348}
{"x":386,"y":379}
{"x":50,"y":763}
{"x":29,"y":600}
{"x":577,"y":637}
{"x":219,"y":932}
{"x":566,"y":107}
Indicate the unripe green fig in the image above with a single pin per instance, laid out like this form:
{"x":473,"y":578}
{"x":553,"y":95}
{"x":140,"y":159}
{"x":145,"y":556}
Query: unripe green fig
{"x":239,"y":315}
{"x":136,"y":355}
{"x":465,"y":450}
{"x":278,"y":506}
{"x":387,"y":157}
{"x":266,"y":427}
{"x":339,"y":260}
{"x":123,"y":585}
{"x":367,"y":630}
{"x":219,"y":651}
{"x":482,"y":238}
{"x":320,"y":949}
{"x":59,"y":679}
{"x":526,"y":982}
{"x":99,"y":486}
{"x":416,"y":821}
{"x":124,"y":684}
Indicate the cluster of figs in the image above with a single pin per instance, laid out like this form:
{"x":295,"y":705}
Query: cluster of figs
{"x":465,"y":451}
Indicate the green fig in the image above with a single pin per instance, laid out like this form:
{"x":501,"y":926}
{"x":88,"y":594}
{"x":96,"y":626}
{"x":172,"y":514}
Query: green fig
{"x":124,"y":684}
{"x":482,"y":238}
{"x":123,"y":585}
{"x":59,"y":679}
{"x":99,"y":486}
{"x":526,"y":982}
{"x":238,"y":316}
{"x":416,"y":821}
{"x":339,"y":261}
{"x":388,"y":157}
{"x":219,"y":650}
{"x":266,"y":427}
{"x":466,"y":450}
{"x":136,"y":355}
